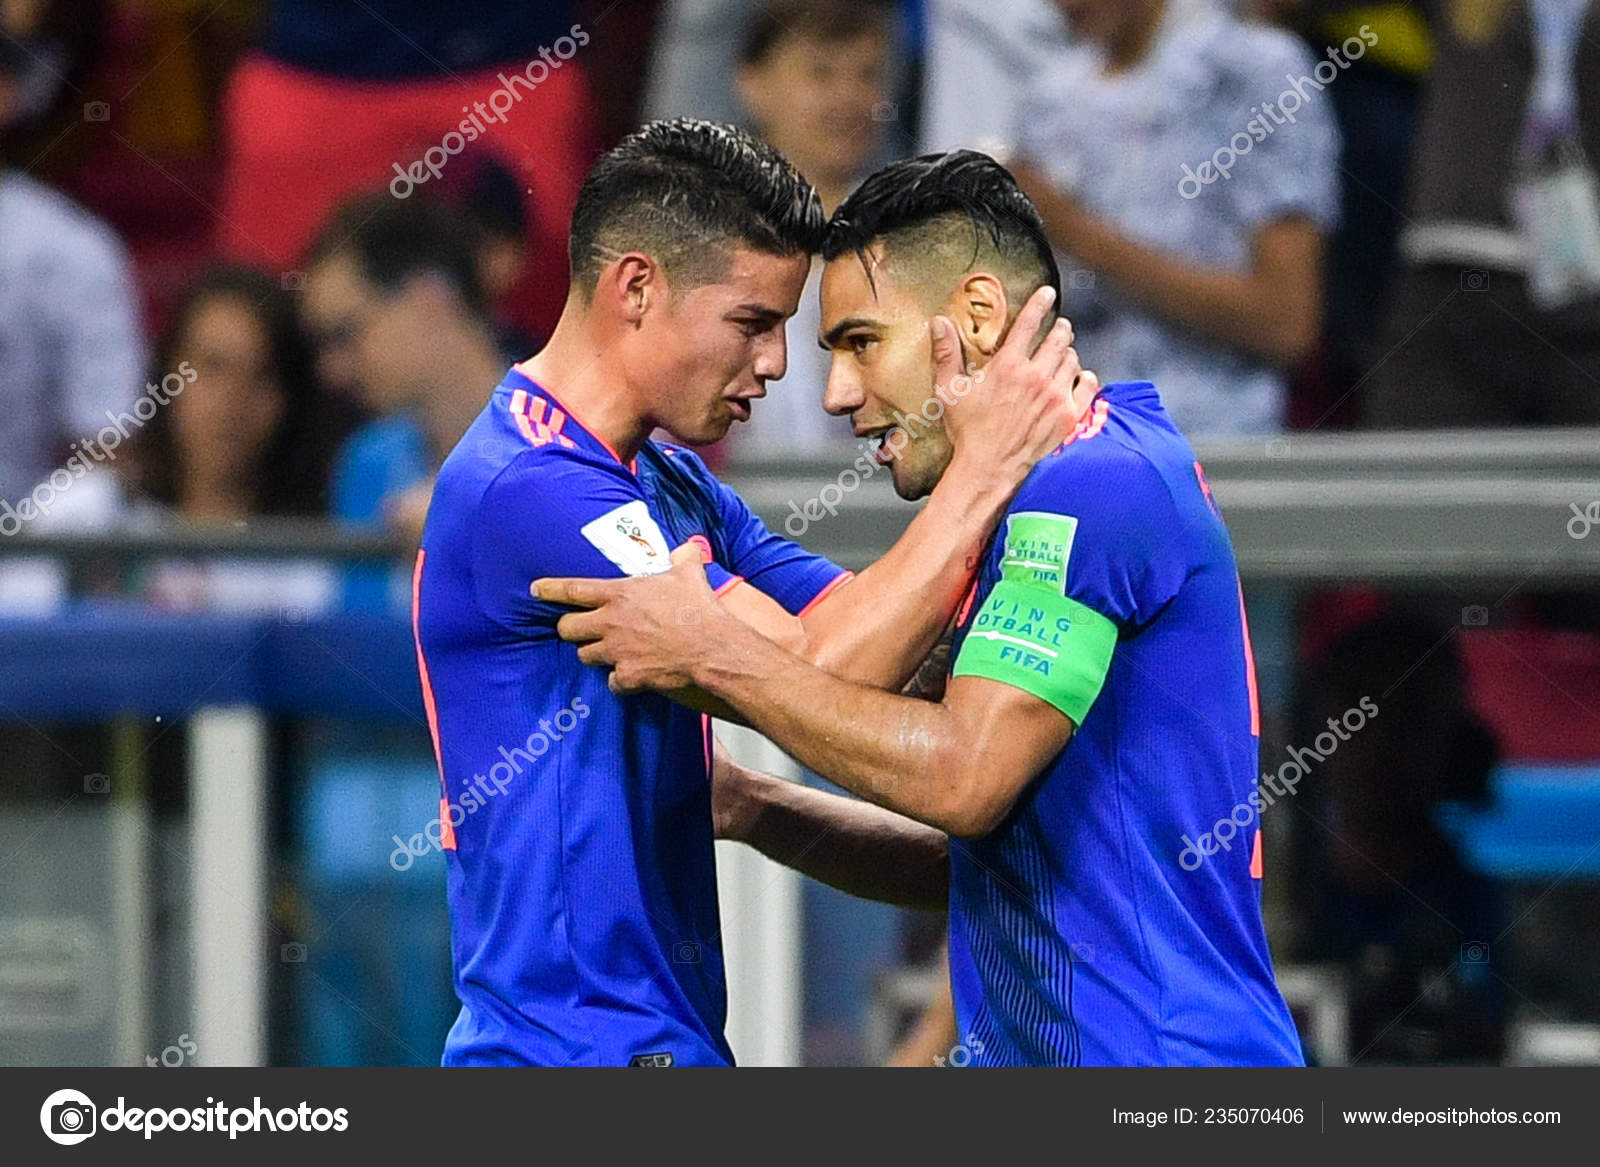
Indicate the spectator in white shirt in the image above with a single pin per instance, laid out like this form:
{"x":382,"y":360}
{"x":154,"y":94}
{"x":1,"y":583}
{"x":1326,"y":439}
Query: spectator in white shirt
{"x":979,"y":61}
{"x":70,"y":337}
{"x":1186,"y":162}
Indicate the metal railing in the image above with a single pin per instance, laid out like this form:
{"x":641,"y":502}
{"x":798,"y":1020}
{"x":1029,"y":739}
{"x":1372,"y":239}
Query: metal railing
{"x":1375,"y":507}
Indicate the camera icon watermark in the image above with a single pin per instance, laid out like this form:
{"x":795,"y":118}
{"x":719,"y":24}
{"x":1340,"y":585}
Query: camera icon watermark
{"x":96,"y":784}
{"x":686,"y":952}
{"x":1474,"y":279}
{"x":885,"y":111}
{"x":1474,"y":616}
{"x":292,"y":953}
{"x":96,"y":111}
{"x":292,"y":281}
{"x":494,"y":449}
{"x":1080,"y":279}
{"x":293,"y":615}
{"x":67,"y":1117}
{"x":1475,"y":952}
{"x":1278,"y":449}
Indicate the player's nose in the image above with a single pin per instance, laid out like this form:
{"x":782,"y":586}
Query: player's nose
{"x":772,"y":357}
{"x":844,"y":393}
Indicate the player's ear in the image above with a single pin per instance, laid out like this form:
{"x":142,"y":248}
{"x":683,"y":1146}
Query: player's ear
{"x":979,"y":309}
{"x":635,"y":283}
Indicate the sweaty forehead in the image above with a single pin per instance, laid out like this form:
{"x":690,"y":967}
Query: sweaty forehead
{"x":863,"y":286}
{"x":775,"y":281}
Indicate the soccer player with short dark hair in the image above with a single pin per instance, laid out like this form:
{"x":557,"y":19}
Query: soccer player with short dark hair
{"x":578,"y":823}
{"x":1101,"y":708}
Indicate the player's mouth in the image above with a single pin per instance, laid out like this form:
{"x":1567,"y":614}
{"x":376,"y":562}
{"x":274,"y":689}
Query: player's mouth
{"x":878,"y":441}
{"x":740,"y":408}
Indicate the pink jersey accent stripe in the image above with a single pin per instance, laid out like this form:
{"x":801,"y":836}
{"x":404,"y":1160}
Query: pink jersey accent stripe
{"x":966,"y":604}
{"x":1205,"y":486}
{"x":447,"y":834}
{"x":538,"y":421}
{"x":839,"y":581}
{"x":633,"y":466}
{"x":1250,"y":668}
{"x":1092,"y":424}
{"x":526,"y":427}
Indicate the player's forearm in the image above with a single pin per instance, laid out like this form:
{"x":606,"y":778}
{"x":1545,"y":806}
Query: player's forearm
{"x":908,"y":755}
{"x":851,"y":845}
{"x":880,"y":626}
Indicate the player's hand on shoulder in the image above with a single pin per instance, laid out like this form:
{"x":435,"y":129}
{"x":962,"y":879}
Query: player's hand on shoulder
{"x":1025,"y":402}
{"x":646,"y":628}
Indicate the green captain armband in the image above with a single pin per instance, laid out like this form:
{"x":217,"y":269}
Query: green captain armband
{"x":1029,"y":633}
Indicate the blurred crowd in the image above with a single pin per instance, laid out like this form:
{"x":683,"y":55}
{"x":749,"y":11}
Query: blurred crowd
{"x":345,"y":219}
{"x":269,"y":258}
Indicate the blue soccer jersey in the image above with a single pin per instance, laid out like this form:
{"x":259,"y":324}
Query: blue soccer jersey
{"x":1085,"y":930}
{"x":576,"y":823}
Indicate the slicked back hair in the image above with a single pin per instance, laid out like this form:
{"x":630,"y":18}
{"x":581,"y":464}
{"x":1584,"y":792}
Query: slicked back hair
{"x":948,"y":213}
{"x":686,"y":192}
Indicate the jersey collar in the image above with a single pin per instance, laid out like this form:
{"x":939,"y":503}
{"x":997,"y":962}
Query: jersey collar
{"x":516,"y":379}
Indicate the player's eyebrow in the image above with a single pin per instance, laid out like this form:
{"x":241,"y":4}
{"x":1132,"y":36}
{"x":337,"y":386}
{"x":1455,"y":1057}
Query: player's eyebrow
{"x":762,"y":312}
{"x":835,"y":334}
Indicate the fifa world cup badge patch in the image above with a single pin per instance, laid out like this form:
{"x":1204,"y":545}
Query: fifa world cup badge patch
{"x":1037,"y":547}
{"x":629,"y":537}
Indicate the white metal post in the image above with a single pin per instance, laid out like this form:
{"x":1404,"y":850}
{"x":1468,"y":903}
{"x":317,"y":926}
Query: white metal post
{"x":228,"y":807}
{"x":761,"y":923}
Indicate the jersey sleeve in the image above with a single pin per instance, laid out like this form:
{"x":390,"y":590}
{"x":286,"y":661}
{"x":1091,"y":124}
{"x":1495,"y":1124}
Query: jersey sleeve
{"x":779,"y":567}
{"x":553,"y":515}
{"x":1089,"y":552}
{"x":784,"y":570}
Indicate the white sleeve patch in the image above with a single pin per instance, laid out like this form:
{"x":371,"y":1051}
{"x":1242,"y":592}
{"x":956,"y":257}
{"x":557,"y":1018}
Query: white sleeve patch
{"x":629,"y":537}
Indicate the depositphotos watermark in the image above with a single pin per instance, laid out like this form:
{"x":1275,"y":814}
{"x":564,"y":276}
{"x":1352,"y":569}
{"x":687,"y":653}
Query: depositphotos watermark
{"x":501,"y":102}
{"x":960,"y":1055}
{"x":1280,"y":784}
{"x":1265,"y":117}
{"x":180,"y":1053}
{"x":69,"y":1117}
{"x":480,"y":788}
{"x":100,"y":448}
{"x":867,"y":464}
{"x":1583,"y":520}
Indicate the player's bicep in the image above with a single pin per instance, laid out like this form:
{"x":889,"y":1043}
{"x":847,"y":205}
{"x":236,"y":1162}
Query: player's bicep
{"x":775,"y":566}
{"x":557,"y":521}
{"x":1044,"y":643}
{"x":763,"y":613}
{"x":1013,"y":737}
